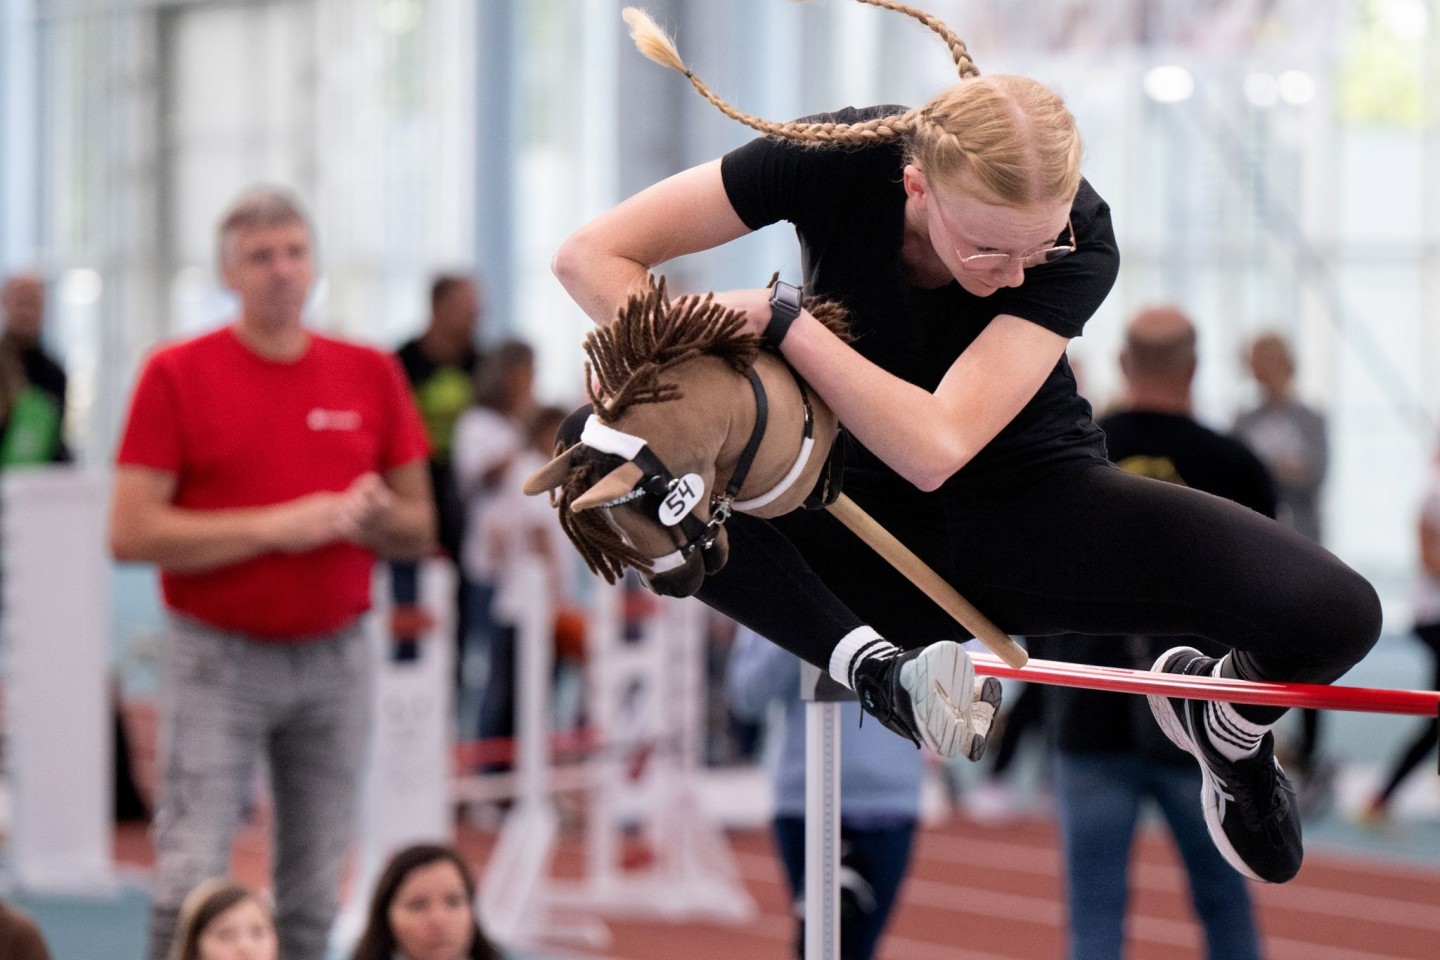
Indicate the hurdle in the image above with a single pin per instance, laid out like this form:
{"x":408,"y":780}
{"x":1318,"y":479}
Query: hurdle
{"x":822,"y":744}
{"x":1120,"y":680}
{"x":652,"y":681}
{"x":514,"y":895}
{"x":645,"y":701}
{"x":404,"y":791}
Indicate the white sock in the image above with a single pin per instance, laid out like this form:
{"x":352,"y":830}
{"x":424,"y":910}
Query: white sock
{"x":1232,"y":735}
{"x":857,"y":645}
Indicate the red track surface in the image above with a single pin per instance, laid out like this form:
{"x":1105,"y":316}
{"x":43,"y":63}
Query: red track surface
{"x":993,"y":893}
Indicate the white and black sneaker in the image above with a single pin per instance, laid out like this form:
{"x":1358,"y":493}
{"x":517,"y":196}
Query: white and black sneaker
{"x":1249,"y":804}
{"x":930,"y":696}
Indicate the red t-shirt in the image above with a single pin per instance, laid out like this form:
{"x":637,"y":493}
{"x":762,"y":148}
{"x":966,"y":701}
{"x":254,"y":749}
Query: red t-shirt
{"x":238,"y":430}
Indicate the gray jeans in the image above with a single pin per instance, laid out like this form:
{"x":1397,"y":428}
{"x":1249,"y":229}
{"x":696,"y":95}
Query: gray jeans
{"x":227,"y":701}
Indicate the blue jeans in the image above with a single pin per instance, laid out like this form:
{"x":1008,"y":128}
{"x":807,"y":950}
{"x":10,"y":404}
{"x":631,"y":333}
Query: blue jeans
{"x":227,"y":702}
{"x":1099,"y":796}
{"x":878,"y":853}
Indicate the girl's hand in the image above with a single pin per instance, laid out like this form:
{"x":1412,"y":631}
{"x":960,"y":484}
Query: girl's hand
{"x":755,"y":304}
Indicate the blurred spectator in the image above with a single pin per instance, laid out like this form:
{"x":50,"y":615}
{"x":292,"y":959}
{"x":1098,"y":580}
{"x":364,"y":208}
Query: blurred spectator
{"x":1427,"y":628}
{"x":32,"y":383}
{"x":1289,"y":438}
{"x":32,"y":416}
{"x":1110,"y":755}
{"x":424,"y":909}
{"x":20,"y":938}
{"x":440,"y":365}
{"x":879,"y":794}
{"x":262,"y":468}
{"x":221,"y":920}
{"x":488,"y":438}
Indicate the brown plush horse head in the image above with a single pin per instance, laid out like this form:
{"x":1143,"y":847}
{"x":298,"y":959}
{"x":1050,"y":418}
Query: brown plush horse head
{"x":691,"y":421}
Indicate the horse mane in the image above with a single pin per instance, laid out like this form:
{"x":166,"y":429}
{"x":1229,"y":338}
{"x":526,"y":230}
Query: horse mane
{"x":651,"y":335}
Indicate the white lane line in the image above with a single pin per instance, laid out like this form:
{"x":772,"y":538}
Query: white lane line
{"x":1297,"y":896}
{"x":1353,"y":906}
{"x":1050,"y":913}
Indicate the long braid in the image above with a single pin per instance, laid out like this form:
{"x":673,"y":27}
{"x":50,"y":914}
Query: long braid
{"x":1012,"y":133}
{"x":655,"y":44}
{"x":958,"y":51}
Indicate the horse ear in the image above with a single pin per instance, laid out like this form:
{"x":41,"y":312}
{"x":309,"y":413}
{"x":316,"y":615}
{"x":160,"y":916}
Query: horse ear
{"x":612,"y":486}
{"x":550,"y":476}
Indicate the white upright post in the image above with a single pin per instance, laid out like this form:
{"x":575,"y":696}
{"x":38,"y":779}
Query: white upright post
{"x":514,"y":892}
{"x":57,"y":618}
{"x":405,"y":790}
{"x":822,"y":812}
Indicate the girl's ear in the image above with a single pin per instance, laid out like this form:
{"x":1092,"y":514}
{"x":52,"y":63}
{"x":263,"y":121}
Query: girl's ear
{"x":916,"y":185}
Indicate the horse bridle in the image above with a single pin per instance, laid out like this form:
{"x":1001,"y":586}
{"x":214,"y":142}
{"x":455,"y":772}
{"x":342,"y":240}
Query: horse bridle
{"x":678,"y":495}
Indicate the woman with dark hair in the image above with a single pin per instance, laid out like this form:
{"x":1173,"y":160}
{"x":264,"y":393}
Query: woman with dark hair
{"x":224,"y":920}
{"x":424,"y":909}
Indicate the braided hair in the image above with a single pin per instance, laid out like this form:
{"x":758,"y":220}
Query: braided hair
{"x":1012,"y":134}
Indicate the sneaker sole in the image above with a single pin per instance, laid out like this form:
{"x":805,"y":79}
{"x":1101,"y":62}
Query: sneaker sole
{"x":1179,"y":734}
{"x":941,"y":684}
{"x":988,"y":691}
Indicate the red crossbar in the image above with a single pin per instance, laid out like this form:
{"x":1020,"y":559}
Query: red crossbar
{"x":1362,"y":699}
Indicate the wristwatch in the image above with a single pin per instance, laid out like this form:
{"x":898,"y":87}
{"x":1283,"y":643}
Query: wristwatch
{"x":785,"y":303}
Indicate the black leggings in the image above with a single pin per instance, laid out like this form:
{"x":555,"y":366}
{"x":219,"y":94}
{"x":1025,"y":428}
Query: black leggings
{"x":1082,"y":547}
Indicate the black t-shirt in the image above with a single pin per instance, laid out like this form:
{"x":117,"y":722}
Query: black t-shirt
{"x":419,"y":367}
{"x":1168,"y":447}
{"x":43,"y":373}
{"x":847,"y":205}
{"x":1172,"y":447}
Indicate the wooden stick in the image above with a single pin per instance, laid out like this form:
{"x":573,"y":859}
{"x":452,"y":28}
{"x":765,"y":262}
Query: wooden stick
{"x":918,"y":572}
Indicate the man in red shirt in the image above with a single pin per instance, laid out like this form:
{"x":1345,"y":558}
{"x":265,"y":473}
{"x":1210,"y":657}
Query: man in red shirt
{"x":262,"y":468}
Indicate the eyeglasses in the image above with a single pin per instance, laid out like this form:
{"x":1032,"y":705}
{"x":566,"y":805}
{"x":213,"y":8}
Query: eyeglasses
{"x":998,"y":261}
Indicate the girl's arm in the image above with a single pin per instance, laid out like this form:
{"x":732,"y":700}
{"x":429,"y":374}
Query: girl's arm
{"x":603,"y":261}
{"x":923,"y":436}
{"x":926,"y":437}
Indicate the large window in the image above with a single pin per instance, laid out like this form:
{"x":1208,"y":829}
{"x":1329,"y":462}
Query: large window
{"x":1273,"y":173}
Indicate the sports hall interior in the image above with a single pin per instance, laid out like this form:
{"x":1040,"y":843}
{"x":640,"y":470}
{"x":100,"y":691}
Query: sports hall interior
{"x":1270,"y":168}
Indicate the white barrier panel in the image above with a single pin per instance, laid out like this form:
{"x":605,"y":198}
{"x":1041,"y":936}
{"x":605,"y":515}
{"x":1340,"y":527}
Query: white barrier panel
{"x":513,"y":892}
{"x":56,"y":573}
{"x":405,"y":790}
{"x":647,"y":699}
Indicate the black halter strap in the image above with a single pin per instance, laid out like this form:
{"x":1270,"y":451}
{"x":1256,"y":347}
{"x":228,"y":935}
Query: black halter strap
{"x":660,"y":484}
{"x":757,"y":433}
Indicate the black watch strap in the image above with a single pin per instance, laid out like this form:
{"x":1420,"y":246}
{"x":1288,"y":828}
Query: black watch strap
{"x":786,"y":301}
